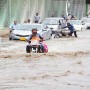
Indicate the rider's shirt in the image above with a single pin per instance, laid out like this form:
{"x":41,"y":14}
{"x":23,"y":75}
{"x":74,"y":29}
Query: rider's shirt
{"x":36,"y":37}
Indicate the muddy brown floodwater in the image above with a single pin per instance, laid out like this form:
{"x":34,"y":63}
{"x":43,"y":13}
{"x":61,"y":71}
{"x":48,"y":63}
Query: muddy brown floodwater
{"x":65,"y":67}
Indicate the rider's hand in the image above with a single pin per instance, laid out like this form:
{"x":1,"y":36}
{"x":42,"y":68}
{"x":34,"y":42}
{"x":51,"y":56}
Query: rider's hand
{"x":29,"y":41}
{"x":40,"y":40}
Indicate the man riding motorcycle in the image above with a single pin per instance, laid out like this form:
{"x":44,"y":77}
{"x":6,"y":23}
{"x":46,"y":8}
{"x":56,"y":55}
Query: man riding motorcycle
{"x":37,"y":37}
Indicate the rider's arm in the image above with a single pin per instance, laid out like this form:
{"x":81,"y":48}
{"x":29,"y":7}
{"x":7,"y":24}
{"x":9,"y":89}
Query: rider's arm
{"x":29,"y":38}
{"x":41,"y":37}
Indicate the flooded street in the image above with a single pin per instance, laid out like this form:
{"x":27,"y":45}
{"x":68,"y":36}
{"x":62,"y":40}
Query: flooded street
{"x":65,"y":67}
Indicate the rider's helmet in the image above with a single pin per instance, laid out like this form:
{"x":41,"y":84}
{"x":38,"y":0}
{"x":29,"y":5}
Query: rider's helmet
{"x":34,"y":31}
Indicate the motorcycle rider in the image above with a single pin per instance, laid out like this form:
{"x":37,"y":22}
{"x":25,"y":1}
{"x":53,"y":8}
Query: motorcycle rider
{"x":35,"y":36}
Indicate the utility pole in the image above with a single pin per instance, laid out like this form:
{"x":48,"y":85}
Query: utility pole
{"x":67,"y":6}
{"x":86,"y":8}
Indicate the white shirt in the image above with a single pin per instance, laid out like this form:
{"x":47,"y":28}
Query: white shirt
{"x":69,"y":17}
{"x":13,"y":26}
{"x":36,"y":18}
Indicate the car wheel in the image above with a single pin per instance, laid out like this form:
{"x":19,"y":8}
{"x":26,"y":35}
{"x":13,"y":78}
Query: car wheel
{"x":50,"y":36}
{"x":28,"y":49}
{"x":53,"y":35}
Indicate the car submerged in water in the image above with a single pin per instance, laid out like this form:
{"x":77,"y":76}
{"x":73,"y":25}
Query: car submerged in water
{"x":78,"y":24}
{"x":86,"y":21}
{"x":23,"y":31}
{"x":53,"y":23}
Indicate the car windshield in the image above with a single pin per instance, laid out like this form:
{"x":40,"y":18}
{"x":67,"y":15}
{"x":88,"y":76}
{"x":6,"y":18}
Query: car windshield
{"x":86,"y":20}
{"x":28,"y":27}
{"x":76,"y":22}
{"x":50,"y":22}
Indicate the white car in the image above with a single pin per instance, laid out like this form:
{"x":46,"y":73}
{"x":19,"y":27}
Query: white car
{"x":78,"y":24}
{"x":23,"y":31}
{"x":53,"y":23}
{"x":86,"y":21}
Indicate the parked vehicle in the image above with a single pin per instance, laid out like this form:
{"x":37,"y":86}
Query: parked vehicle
{"x":78,"y":25}
{"x":86,"y":22}
{"x":23,"y":31}
{"x":53,"y":23}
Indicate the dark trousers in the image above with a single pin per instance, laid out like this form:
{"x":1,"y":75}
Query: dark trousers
{"x":42,"y":47}
{"x":71,"y":32}
{"x":36,"y":21}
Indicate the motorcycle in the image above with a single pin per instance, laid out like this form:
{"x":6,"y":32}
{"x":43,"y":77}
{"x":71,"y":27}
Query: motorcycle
{"x":34,"y":44}
{"x":35,"y":47}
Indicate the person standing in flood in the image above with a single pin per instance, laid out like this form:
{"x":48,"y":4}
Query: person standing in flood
{"x":36,"y":18}
{"x":13,"y":26}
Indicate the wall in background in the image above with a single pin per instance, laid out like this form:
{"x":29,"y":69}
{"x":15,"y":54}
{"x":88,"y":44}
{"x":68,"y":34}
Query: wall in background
{"x":21,"y":10}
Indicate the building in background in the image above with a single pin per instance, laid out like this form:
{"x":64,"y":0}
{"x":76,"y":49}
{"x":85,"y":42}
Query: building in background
{"x":22,"y":10}
{"x":88,"y":7}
